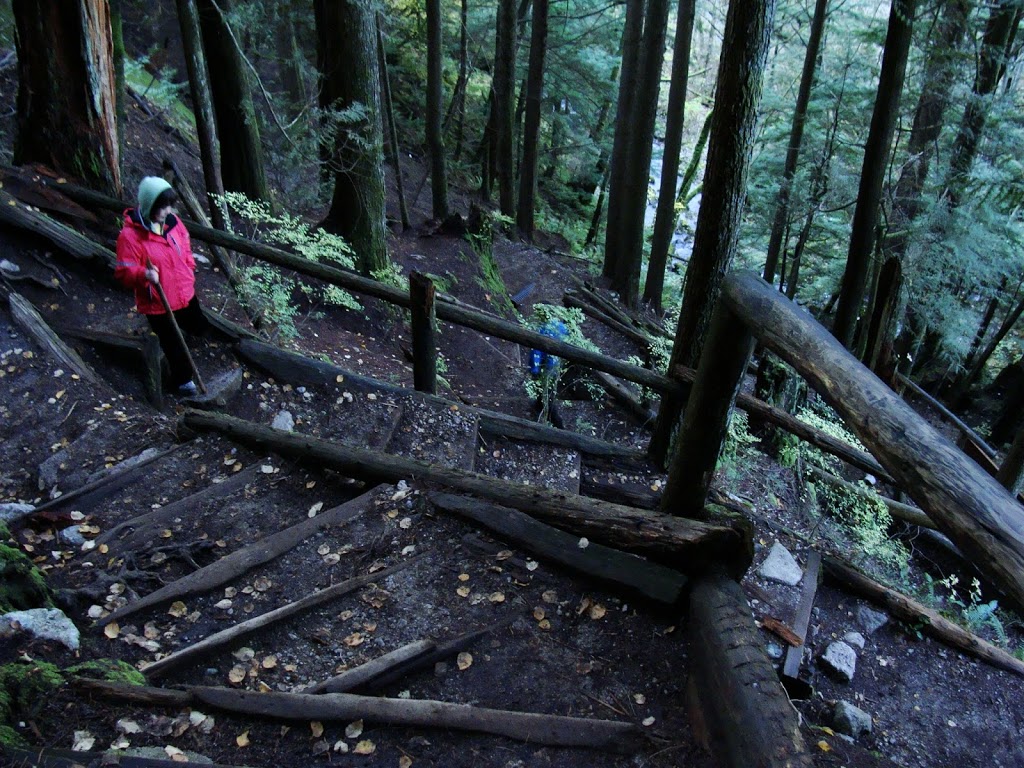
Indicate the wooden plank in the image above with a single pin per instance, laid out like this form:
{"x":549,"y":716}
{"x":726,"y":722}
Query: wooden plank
{"x":29,"y":319}
{"x":794,"y":654}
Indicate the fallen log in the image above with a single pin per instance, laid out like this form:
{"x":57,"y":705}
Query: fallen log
{"x":951,"y":417}
{"x":247,"y":558}
{"x":550,"y":730}
{"x":624,"y":397}
{"x":351,"y":679}
{"x":297,"y":369}
{"x":134,"y":694}
{"x":794,"y":426}
{"x":915,"y":614}
{"x":640,"y":576}
{"x":963,"y":500}
{"x":26,"y":316}
{"x":897,"y":509}
{"x":231,"y":634}
{"x":745,"y":710}
{"x":68,"y":240}
{"x":573,"y":300}
{"x":684,"y":543}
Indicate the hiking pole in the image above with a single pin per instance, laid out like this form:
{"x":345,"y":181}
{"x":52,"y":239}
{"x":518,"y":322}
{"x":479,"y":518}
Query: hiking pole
{"x":178,"y":333}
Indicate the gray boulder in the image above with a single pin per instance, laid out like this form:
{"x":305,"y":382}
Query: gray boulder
{"x":51,"y":470}
{"x":71,"y":536}
{"x":46,"y":624}
{"x":850,"y":720}
{"x":781,"y":566}
{"x":12,"y":511}
{"x":283,"y":420}
{"x":840,"y":660}
{"x":869,"y":619}
{"x":856,"y":639}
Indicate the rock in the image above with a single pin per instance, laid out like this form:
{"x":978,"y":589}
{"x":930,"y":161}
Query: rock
{"x":51,"y":469}
{"x":71,"y":536}
{"x":774,"y":651}
{"x":12,"y":512}
{"x":9,"y":267}
{"x":869,"y":619}
{"x":283,"y":420}
{"x":840,"y":660}
{"x":781,"y":566}
{"x":47,"y":624}
{"x":850,"y":720}
{"x":856,"y":639}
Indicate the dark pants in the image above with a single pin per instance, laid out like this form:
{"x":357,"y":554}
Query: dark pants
{"x":192,"y":321}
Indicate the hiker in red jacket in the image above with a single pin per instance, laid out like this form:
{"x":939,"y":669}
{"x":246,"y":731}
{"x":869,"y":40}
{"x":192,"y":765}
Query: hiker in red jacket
{"x":154,"y":247}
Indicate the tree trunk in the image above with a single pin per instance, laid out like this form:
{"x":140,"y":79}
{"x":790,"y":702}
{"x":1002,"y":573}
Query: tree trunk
{"x":939,"y":72}
{"x":290,"y":57}
{"x":389,"y":116}
{"x":737,"y":96}
{"x":347,"y":60}
{"x":241,"y":158}
{"x":504,"y":85}
{"x":435,"y":136}
{"x":117,"y":40}
{"x":796,"y":137}
{"x":665,"y":219}
{"x":531,"y":130}
{"x":638,"y":154}
{"x":67,"y":104}
{"x":206,"y":129}
{"x":459,"y":98}
{"x":1011,"y":471}
{"x":876,"y":155}
{"x":630,"y":47}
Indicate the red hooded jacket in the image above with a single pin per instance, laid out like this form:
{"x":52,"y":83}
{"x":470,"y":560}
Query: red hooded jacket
{"x":171,"y":254}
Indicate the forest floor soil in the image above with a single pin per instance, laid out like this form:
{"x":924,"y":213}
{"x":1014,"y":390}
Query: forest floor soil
{"x":559,"y":643}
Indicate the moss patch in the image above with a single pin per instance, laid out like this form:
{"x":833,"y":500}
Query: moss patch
{"x":22,"y":586}
{"x":111,"y":670}
{"x":11,"y":737}
{"x":26,"y":686}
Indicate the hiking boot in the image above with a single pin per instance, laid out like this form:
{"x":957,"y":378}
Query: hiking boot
{"x":188,"y":389}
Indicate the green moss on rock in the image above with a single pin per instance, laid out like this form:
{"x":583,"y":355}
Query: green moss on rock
{"x":22,"y":586}
{"x":111,"y":670}
{"x":25,"y":686}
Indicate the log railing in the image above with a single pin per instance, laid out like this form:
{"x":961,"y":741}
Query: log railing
{"x":963,"y":501}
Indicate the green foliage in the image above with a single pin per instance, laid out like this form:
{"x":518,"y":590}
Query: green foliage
{"x":111,"y":670}
{"x":737,"y":445}
{"x":970,"y":610}
{"x":862,"y":516}
{"x":544,"y":386}
{"x":161,"y":91}
{"x":22,"y":586}
{"x":269,"y":289}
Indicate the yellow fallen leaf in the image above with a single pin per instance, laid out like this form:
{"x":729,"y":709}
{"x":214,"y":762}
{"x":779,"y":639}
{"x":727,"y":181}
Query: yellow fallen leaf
{"x":597,"y":611}
{"x":365,"y":747}
{"x":270,"y":662}
{"x":549,"y":596}
{"x":177,"y":609}
{"x":405,"y":761}
{"x":823,"y":746}
{"x":243,"y":739}
{"x":463,"y":577}
{"x":316,"y":728}
{"x":237,"y":674}
{"x":538,"y":613}
{"x":112,"y":630}
{"x":354,"y":639}
{"x":464,"y":660}
{"x":354,"y":729}
{"x":829,"y":731}
{"x":497,"y":597}
{"x":545,"y":624}
{"x":462,"y":591}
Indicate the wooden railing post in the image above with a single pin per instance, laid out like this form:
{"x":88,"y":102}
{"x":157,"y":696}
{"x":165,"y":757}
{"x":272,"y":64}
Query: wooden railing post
{"x":424,"y":333}
{"x":702,"y":435}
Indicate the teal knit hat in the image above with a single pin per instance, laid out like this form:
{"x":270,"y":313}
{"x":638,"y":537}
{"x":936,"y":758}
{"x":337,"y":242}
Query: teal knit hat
{"x":149,"y":190}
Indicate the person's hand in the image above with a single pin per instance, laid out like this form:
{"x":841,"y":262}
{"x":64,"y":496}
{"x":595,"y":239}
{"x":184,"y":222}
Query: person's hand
{"x":152,"y":274}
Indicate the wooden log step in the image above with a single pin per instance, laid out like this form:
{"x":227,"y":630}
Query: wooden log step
{"x":28,"y":318}
{"x":689,"y":544}
{"x":240,"y":561}
{"x":742,"y":704}
{"x":619,"y":569}
{"x":352,"y":679}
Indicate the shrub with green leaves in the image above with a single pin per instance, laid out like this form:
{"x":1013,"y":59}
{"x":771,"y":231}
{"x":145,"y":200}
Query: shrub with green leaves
{"x":267,"y":288}
{"x":543,"y":386}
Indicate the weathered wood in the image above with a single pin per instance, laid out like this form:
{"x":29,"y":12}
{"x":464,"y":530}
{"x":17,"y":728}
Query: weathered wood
{"x":147,"y":526}
{"x":134,"y":694}
{"x":913,"y":613}
{"x":574,"y":300}
{"x":551,"y":730}
{"x":439,"y":653}
{"x":47,"y":757}
{"x":622,"y":395}
{"x":951,"y":417}
{"x":687,"y":543}
{"x":963,"y":501}
{"x":897,"y":509}
{"x":639,"y":576}
{"x":1011,"y":472}
{"x":795,"y":653}
{"x":90,"y":494}
{"x":745,"y":709}
{"x":351,"y":679}
{"x":230,"y":635}
{"x":794,"y":426}
{"x":26,"y":316}
{"x":703,"y":431}
{"x":240,"y":561}
{"x":294,"y":368}
{"x":424,"y":333}
{"x":68,"y":240}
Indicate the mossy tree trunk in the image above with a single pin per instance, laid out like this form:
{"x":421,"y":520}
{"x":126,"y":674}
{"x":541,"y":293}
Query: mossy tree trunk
{"x":347,"y":60}
{"x":66,"y":105}
{"x":531,"y":130}
{"x":241,"y":158}
{"x":435,"y":136}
